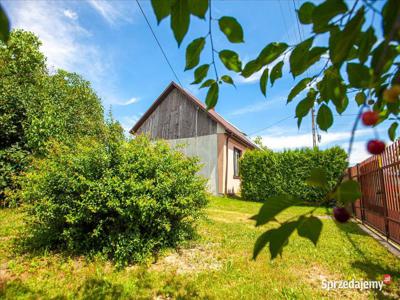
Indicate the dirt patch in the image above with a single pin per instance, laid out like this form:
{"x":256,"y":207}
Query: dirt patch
{"x":4,"y":277}
{"x":193,"y":260}
{"x":230,"y":216}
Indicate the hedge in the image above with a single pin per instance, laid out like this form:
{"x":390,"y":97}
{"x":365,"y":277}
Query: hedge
{"x":266,"y":173}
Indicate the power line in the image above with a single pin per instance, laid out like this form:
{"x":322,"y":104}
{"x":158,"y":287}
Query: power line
{"x":313,"y":127}
{"x":158,"y":43}
{"x":286,"y":118}
{"x":269,"y":126}
{"x":284,"y":19}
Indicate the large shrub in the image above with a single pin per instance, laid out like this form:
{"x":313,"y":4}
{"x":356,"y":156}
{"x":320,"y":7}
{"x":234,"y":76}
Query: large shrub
{"x":266,"y":173}
{"x":123,"y":199}
{"x":37,"y":106}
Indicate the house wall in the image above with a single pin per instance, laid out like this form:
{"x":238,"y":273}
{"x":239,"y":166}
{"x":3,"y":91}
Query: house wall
{"x":180,"y":122}
{"x":232,"y":184}
{"x":205,"y":148}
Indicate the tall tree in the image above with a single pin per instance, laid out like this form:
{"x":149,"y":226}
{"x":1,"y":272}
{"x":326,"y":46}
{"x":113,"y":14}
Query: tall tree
{"x":37,"y":107}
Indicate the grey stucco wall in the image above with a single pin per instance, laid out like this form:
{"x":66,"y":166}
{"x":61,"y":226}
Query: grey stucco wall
{"x":205,"y":148}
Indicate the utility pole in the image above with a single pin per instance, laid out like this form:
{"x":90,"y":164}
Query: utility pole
{"x":314,"y":133}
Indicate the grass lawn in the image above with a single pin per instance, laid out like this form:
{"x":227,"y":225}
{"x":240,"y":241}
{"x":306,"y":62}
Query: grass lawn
{"x":217,"y":265}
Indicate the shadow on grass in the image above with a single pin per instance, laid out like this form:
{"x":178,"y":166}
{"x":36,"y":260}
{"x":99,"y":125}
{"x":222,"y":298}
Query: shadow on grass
{"x":95,"y":288}
{"x":371,"y":270}
{"x":91,"y":289}
{"x":374,"y":271}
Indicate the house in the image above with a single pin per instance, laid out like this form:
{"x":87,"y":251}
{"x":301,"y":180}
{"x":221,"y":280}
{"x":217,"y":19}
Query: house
{"x":180,"y":118}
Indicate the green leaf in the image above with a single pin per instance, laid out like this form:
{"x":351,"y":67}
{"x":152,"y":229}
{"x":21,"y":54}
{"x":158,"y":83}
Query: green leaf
{"x":324,"y":117}
{"x":200,"y":73}
{"x":263,"y":81}
{"x":279,"y":237}
{"x":273,"y":206}
{"x":212,"y":95}
{"x":231,"y":60}
{"x":360,"y":98}
{"x":4,"y":26}
{"x":318,"y":178}
{"x":323,"y":13}
{"x":347,"y":192}
{"x":232,"y":29}
{"x":161,"y":8}
{"x":298,"y":88}
{"x":207,"y":83}
{"x":305,"y":12}
{"x":276,"y":72}
{"x":359,"y":75}
{"x":271,"y":52}
{"x":342,"y":105}
{"x":227,"y":79}
{"x":180,"y":19}
{"x":193,"y":52}
{"x":309,"y":59}
{"x":383,"y":57}
{"x":310,"y":228}
{"x":341,"y":42}
{"x":297,"y":56}
{"x":304,"y":107}
{"x":198,"y":8}
{"x":389,"y":18}
{"x":303,"y":57}
{"x":251,"y":67}
{"x":392,"y":131}
{"x":367,"y":40}
{"x":261,"y":241}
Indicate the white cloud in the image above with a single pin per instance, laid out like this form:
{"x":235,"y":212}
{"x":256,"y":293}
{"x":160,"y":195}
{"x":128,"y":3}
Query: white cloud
{"x":359,"y":152}
{"x":256,"y":107}
{"x":127,"y":102}
{"x":112,"y":11}
{"x":67,"y":45}
{"x":64,"y":42}
{"x":278,"y":138}
{"x":70,"y":14}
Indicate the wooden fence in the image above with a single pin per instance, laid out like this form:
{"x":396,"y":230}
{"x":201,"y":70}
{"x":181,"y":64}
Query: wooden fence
{"x":379,"y":178}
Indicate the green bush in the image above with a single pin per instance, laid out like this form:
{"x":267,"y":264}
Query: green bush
{"x":265,"y":173}
{"x":122,"y":199}
{"x":13,"y":161}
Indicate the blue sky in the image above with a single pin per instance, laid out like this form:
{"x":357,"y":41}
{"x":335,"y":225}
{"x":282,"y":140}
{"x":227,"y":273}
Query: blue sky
{"x":110,"y":44}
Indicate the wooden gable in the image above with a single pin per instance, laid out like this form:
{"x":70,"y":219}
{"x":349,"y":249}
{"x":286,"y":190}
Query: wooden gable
{"x":177,"y":117}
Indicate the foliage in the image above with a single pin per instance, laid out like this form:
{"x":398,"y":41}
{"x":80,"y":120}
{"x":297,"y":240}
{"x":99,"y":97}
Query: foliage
{"x":13,"y":160}
{"x":123,"y":199}
{"x":266,"y":173}
{"x":37,"y":106}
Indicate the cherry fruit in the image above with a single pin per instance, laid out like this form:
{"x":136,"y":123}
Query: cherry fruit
{"x":341,"y":214}
{"x":375,"y":146}
{"x":370,"y":118}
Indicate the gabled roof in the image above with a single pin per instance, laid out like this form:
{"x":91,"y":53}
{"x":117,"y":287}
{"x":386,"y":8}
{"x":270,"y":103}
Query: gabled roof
{"x":230,"y":129}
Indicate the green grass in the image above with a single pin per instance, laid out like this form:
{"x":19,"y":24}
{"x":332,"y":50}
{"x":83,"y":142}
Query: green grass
{"x":217,"y":265}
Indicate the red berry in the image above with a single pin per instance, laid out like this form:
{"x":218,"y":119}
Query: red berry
{"x":341,"y":214}
{"x":370,"y":118}
{"x":375,"y":146}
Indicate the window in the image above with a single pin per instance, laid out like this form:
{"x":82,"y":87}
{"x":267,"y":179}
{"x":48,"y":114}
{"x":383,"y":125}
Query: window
{"x":236,"y":155}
